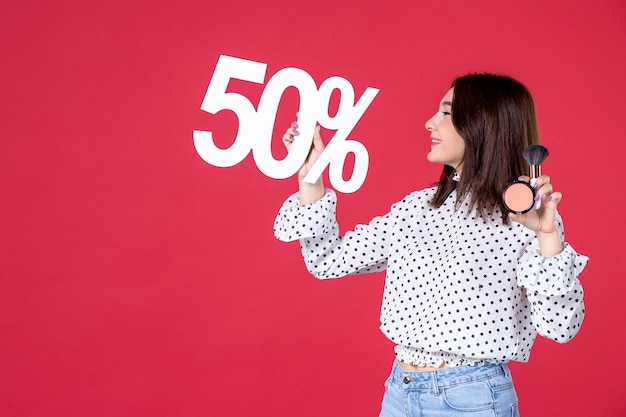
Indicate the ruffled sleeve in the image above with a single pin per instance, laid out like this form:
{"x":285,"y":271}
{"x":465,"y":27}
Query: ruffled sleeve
{"x":554,"y":291}
{"x":295,"y":222}
{"x":326,"y":253}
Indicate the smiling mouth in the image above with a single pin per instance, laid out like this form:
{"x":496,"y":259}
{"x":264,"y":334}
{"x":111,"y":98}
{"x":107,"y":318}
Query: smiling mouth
{"x":435,"y":141}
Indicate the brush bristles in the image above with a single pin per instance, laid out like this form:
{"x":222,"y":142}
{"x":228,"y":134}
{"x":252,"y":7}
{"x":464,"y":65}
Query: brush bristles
{"x":535,"y":154}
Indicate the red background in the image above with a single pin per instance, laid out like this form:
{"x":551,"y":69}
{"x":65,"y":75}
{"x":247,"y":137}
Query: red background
{"x":137,"y":280}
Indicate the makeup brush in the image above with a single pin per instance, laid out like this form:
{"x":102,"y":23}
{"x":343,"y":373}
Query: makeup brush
{"x":535,"y":155}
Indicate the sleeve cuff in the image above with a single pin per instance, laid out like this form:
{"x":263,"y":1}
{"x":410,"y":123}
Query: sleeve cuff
{"x":295,"y":222}
{"x":556,"y":275}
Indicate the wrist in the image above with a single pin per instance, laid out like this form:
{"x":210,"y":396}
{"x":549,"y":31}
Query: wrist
{"x":550,"y":235}
{"x":550,"y":243}
{"x":310,"y":193}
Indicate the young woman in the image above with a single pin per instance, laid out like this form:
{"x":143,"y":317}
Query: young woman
{"x":468,"y":285}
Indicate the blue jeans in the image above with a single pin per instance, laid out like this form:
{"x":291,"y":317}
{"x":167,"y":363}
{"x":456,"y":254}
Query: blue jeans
{"x":478,"y":391}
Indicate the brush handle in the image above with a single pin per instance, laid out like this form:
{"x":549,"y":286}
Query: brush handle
{"x":533,"y":183}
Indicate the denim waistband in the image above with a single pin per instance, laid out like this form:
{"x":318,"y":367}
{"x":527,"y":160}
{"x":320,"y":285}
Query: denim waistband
{"x":447,"y":377}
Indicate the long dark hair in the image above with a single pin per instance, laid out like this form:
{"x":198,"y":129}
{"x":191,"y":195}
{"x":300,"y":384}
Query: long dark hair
{"x":495,"y":116}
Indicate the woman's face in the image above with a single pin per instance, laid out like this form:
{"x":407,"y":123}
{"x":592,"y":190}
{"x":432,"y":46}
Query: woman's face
{"x":447,"y":146}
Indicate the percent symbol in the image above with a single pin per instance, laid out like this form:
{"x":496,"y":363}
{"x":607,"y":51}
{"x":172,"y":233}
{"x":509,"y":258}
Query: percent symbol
{"x":339,"y":146}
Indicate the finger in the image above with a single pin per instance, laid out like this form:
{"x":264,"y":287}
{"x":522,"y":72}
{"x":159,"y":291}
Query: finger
{"x":291,"y":133}
{"x":544,"y":190}
{"x":293,"y":129}
{"x":318,"y":143}
{"x":553,"y":199}
{"x":542,"y":180}
{"x":289,"y":136}
{"x":545,"y":179}
{"x":287,"y":140}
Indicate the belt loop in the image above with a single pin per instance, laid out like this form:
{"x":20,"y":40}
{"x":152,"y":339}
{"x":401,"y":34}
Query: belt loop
{"x":505,"y":369}
{"x":433,"y":378}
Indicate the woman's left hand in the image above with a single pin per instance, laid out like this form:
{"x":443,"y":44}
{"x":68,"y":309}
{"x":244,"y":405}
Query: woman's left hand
{"x":542,"y":220}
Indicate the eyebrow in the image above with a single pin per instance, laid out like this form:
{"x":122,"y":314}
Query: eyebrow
{"x":446,"y":103}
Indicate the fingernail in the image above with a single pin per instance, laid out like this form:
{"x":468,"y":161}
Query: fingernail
{"x":537,"y":197}
{"x":521,"y":177}
{"x":318,"y":128}
{"x":295,"y":132}
{"x":549,"y":198}
{"x":294,"y":125}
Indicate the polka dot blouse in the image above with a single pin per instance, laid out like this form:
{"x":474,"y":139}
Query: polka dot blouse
{"x":458,"y":288}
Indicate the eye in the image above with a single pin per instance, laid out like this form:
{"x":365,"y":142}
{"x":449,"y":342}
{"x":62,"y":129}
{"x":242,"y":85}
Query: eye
{"x":446,"y":113}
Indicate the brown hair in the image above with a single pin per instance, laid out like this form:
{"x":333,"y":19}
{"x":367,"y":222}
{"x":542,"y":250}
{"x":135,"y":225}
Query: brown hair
{"x":495,"y":116}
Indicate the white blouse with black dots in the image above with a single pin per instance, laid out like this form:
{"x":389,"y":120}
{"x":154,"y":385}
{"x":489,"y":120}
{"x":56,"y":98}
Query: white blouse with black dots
{"x":459,"y":289}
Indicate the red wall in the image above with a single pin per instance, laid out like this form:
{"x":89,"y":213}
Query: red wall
{"x":138,"y":280}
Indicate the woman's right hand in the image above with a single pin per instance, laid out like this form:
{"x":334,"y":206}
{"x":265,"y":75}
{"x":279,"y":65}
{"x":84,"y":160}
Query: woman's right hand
{"x":316,"y":148}
{"x":309,"y":193}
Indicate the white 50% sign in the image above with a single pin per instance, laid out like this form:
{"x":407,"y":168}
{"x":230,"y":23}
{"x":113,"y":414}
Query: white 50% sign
{"x":256,"y":125}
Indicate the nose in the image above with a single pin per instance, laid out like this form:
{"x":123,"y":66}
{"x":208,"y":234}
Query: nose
{"x":430,"y":124}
